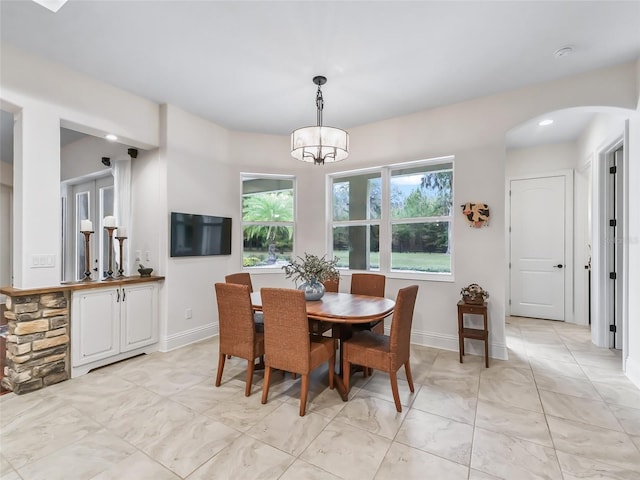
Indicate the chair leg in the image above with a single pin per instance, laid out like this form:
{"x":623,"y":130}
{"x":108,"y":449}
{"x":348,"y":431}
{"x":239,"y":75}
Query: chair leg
{"x":303,"y":393}
{"x":346,"y":373}
{"x":332,"y":368}
{"x":394,"y":389}
{"x":250,"y":367}
{"x":221,"y":359}
{"x":407,"y":369}
{"x":265,"y":384}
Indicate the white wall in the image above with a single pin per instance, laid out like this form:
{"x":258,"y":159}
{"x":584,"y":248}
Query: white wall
{"x":197,"y":169}
{"x":84,"y":157}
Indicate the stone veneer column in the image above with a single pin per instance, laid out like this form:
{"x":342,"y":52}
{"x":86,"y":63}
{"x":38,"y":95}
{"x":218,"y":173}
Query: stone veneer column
{"x":37,"y":341}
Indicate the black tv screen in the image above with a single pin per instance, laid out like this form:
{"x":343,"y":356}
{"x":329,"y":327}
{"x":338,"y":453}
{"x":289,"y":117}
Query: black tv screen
{"x":199,"y":235}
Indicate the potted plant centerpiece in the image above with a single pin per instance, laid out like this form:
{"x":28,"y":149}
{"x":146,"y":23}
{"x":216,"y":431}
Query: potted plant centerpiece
{"x":312,"y":270}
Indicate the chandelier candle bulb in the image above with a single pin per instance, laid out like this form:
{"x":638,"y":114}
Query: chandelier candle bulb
{"x":86,"y":226}
{"x":121,"y":232}
{"x":109,"y":221}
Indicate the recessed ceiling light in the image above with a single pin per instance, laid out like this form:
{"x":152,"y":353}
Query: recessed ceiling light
{"x":563,"y":52}
{"x":53,"y":5}
{"x":111,"y":137}
{"x":545,"y":122}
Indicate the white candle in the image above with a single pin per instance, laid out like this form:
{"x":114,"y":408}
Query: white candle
{"x":109,"y":221}
{"x":86,"y":226}
{"x":121,"y":232}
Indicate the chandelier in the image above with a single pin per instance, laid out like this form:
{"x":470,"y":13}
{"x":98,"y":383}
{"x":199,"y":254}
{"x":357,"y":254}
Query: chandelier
{"x":319,"y":144}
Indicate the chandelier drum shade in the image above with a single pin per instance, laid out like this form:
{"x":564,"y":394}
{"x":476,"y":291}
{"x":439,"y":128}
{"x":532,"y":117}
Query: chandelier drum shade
{"x":319,"y":144}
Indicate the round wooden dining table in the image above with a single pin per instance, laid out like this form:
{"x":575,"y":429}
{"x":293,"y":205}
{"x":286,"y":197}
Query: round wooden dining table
{"x":342,"y":310}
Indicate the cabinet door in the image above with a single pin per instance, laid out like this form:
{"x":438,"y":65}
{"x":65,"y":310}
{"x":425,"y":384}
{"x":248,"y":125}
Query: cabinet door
{"x":95,"y":325}
{"x":139,"y":309}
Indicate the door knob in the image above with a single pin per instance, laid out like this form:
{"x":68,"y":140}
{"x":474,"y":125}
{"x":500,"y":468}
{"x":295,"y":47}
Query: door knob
{"x":558,"y":266}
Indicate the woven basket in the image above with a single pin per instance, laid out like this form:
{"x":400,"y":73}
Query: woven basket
{"x":474,"y":294}
{"x":475,"y":300}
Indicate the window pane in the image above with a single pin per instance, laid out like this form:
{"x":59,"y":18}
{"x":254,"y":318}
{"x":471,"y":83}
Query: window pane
{"x":267,"y":246}
{"x":357,"y":247}
{"x":358,"y":197}
{"x":422,"y":247}
{"x":420,"y":192}
{"x":267,"y":200}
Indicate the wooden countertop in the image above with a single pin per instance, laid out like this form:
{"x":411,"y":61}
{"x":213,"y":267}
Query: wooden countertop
{"x":73,"y":286}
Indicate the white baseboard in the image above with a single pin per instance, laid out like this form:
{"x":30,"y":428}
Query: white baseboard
{"x":632,"y":370}
{"x":450,"y":342}
{"x":188,"y":337}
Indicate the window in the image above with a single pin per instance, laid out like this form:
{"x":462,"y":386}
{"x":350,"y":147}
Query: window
{"x":267,"y":220}
{"x":394,"y":219}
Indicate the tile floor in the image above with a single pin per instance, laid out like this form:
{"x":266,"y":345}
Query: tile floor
{"x":560,"y":408}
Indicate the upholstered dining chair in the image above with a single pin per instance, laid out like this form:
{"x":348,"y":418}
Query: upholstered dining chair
{"x":332,"y":285}
{"x":288,"y":345}
{"x":371,"y":284}
{"x":238,"y":336}
{"x":385,"y":352}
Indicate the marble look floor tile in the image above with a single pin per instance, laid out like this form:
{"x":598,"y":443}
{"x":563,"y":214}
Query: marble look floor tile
{"x":438,"y":435}
{"x":186,"y":446}
{"x":464,"y":385}
{"x":449,"y":363}
{"x":575,"y":467}
{"x":551,"y":352}
{"x":567,"y":386}
{"x":515,"y":394}
{"x":629,"y":418}
{"x":203,"y":396}
{"x":509,"y":374}
{"x":478,"y":475}
{"x":6,"y":470}
{"x":301,"y":470}
{"x":593,"y":412}
{"x":86,"y":458}
{"x":145,"y":427}
{"x":346,"y":451}
{"x":605,"y":374}
{"x":446,"y":403}
{"x":286,"y":430}
{"x":169,"y":380}
{"x":514,"y":422}
{"x":596,"y":443}
{"x":126,"y":403}
{"x":380,"y":386}
{"x":373,"y":415}
{"x":56,"y":427}
{"x":406,"y":463}
{"x":137,"y":467}
{"x":245,"y":458}
{"x":24,"y":408}
{"x":510,"y":458}
{"x":241,"y":412}
{"x":551,"y":368}
{"x":622,"y":393}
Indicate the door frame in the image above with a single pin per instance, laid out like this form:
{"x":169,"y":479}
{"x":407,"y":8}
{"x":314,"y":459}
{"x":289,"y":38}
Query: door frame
{"x":600,"y":264}
{"x":568,"y":236}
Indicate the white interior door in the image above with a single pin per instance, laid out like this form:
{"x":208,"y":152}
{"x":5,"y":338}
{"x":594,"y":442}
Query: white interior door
{"x":538,"y":270}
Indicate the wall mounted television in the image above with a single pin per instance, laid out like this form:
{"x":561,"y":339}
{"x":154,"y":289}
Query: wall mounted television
{"x":195,"y":235}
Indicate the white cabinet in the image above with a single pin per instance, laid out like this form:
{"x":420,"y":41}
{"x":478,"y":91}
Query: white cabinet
{"x":113,"y":323}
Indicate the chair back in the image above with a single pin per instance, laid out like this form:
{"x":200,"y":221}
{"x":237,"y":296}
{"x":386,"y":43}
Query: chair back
{"x":332,"y":285}
{"x":371,"y":284}
{"x":400,"y":341}
{"x":286,"y":329}
{"x":235,"y":314}
{"x":242,"y":278}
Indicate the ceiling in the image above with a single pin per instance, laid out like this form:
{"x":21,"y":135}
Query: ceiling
{"x":248,"y":65}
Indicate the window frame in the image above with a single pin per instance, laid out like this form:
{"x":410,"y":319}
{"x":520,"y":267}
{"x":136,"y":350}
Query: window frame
{"x":267,"y":176}
{"x":385,"y":221}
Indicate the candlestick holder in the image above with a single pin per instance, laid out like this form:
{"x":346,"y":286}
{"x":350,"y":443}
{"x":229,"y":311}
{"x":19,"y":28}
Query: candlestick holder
{"x":120,"y":265}
{"x":110,"y":262}
{"x":87,"y":269}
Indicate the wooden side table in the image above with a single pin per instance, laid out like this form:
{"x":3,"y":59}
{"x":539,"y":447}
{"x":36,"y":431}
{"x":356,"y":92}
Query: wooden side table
{"x":474,"y":333}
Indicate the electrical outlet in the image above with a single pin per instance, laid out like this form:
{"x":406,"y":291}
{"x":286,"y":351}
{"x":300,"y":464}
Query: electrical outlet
{"x":138,"y":255}
{"x":188,"y":313}
{"x":147,"y":256}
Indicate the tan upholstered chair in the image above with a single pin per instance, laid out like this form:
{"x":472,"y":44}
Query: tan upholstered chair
{"x":382,"y":352}
{"x":371,"y":284}
{"x":288,"y":345}
{"x":238,"y":336}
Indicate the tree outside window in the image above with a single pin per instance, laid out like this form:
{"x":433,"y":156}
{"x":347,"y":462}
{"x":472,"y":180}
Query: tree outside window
{"x":267,"y":220}
{"x":408,"y":224}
